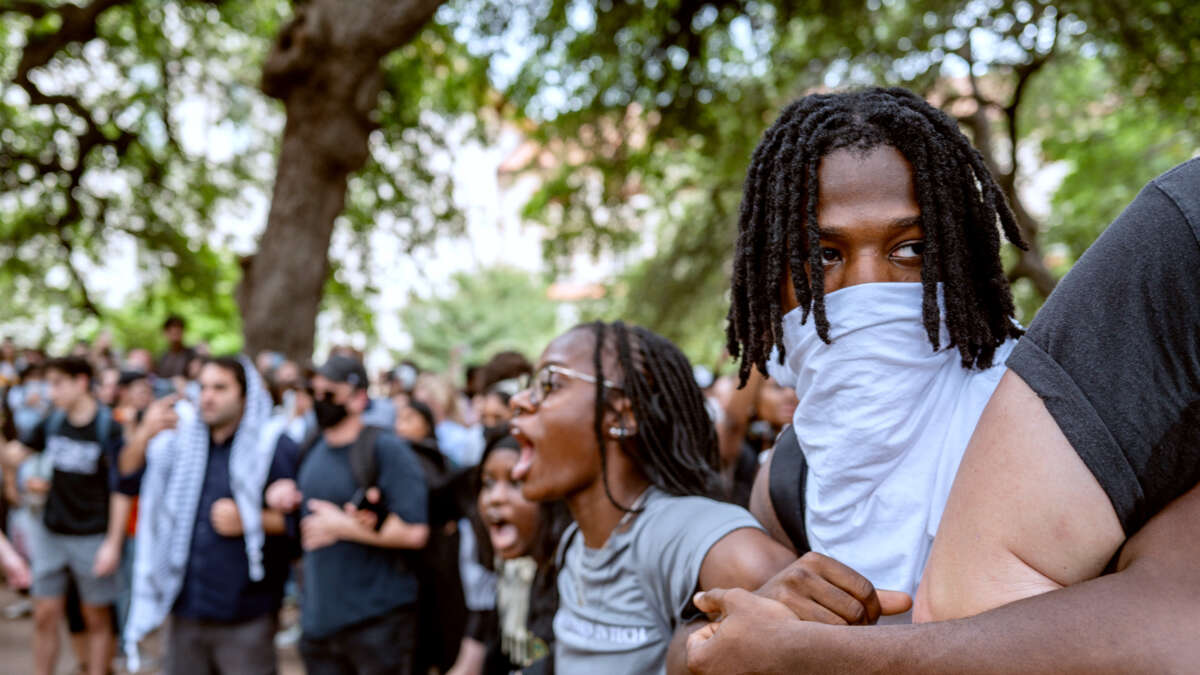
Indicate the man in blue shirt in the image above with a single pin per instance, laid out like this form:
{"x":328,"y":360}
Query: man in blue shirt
{"x":359,"y":596}
{"x":223,"y":618}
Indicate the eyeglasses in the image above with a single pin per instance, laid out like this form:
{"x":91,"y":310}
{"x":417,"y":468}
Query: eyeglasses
{"x":541,"y":383}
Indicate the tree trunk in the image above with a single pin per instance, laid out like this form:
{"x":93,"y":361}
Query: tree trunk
{"x":325,"y":67}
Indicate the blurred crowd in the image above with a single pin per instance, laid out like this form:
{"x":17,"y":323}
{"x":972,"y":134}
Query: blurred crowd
{"x":93,"y":434}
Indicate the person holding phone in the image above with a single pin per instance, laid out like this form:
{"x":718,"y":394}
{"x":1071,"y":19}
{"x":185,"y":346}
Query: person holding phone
{"x":209,"y":554}
{"x":360,"y":592}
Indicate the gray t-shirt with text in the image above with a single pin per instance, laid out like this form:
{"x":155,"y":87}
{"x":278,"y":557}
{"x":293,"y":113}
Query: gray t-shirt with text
{"x":619,"y":605}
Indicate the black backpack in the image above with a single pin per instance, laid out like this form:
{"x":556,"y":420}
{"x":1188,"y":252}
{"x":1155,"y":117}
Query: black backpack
{"x":789,"y":474}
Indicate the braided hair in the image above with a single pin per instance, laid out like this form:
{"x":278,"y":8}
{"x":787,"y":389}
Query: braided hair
{"x":676,"y":443}
{"x":960,"y":203}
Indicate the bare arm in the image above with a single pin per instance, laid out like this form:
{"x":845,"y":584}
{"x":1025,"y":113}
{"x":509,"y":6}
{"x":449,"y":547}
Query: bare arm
{"x":227,"y":522}
{"x":763,"y":509}
{"x":1025,"y":515}
{"x":395,"y":533}
{"x":327,"y":524}
{"x":133,"y":455}
{"x":160,"y":416}
{"x":1143,"y":618}
{"x":745,"y":558}
{"x":273,"y":522}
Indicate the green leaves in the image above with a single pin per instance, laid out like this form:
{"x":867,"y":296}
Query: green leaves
{"x":486,"y":312}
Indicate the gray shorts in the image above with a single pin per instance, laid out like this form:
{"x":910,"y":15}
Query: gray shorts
{"x":58,"y":557}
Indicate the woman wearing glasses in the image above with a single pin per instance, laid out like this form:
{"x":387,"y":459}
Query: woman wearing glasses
{"x":613,"y":423}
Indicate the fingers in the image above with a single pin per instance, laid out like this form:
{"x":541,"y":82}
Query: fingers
{"x":373,"y":495}
{"x":710,"y":602}
{"x":851,"y":583}
{"x":699,"y":645}
{"x":819,"y":588}
{"x":321,"y":506}
{"x":894,"y":602}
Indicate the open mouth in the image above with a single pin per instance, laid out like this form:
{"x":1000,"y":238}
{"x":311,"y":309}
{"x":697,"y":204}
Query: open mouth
{"x":503,"y":534}
{"x":520,"y":471}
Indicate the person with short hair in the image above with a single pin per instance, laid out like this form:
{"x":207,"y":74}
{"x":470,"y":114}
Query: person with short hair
{"x":1077,"y":499}
{"x":174,"y":362}
{"x":209,"y":554}
{"x":84,"y":517}
{"x":359,"y":594}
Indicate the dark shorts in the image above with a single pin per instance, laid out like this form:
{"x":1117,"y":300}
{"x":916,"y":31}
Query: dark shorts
{"x":381,"y":645}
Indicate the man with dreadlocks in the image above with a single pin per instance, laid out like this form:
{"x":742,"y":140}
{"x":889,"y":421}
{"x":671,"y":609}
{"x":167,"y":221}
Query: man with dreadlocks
{"x":867,"y":276}
{"x":1077,"y":500}
{"x":612,"y":422}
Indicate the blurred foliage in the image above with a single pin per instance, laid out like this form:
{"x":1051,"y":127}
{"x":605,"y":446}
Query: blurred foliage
{"x":649,"y":110}
{"x":667,"y":99}
{"x":185,"y":138}
{"x":483,"y":312}
{"x":211,"y":314}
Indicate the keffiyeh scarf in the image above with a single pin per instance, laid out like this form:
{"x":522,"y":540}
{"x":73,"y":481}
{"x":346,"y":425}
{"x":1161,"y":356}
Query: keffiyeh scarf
{"x":176,"y":461}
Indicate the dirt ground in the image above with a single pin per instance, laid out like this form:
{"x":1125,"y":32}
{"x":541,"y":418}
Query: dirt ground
{"x":16,"y":652}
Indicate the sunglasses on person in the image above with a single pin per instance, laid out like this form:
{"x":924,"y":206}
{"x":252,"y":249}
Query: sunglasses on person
{"x":543,"y":382}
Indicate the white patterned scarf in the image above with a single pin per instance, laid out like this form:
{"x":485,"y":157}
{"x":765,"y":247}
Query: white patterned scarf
{"x":176,"y":461}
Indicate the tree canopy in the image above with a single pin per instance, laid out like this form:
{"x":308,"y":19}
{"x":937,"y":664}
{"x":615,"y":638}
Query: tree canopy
{"x":649,"y":108}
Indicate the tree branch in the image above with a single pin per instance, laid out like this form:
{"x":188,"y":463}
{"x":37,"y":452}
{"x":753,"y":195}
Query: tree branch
{"x":35,"y":10}
{"x":86,"y":299}
{"x":78,"y":25}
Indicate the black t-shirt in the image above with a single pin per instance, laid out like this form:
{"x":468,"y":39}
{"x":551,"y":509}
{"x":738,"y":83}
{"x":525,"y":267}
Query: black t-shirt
{"x":1115,"y":352}
{"x":85,"y":472}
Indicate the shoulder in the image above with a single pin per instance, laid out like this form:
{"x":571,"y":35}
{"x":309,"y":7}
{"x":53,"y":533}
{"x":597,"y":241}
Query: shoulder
{"x":683,"y":515}
{"x":393,"y":450}
{"x":1180,"y":185}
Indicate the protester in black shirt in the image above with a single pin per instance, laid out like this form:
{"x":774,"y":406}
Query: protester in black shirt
{"x":84,"y":519}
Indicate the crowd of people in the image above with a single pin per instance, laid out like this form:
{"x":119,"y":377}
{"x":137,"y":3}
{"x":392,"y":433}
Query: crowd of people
{"x":892,"y":448}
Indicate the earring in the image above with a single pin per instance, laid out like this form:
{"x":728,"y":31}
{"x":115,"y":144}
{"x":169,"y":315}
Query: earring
{"x":618,"y":432}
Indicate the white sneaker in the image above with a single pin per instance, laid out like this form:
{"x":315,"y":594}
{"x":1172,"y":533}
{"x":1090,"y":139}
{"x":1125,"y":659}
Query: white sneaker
{"x":19,"y":609}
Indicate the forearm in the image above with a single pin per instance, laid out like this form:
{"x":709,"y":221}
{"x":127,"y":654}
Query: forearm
{"x":395,"y":533}
{"x":274,"y":522}
{"x":119,"y":508}
{"x":14,"y":453}
{"x":6,"y":550}
{"x":1140,"y":620}
{"x":133,"y":456}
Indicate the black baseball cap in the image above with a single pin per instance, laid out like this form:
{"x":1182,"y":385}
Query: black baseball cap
{"x":344,"y":369}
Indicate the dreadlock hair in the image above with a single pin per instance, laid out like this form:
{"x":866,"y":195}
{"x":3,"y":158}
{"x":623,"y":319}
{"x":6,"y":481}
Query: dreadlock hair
{"x":676,"y":442}
{"x":960,"y":204}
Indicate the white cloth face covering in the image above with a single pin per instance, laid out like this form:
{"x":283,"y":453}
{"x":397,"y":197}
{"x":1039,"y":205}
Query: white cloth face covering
{"x":883,"y":421}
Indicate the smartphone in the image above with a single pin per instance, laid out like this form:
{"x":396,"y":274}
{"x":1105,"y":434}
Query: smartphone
{"x":360,"y":502}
